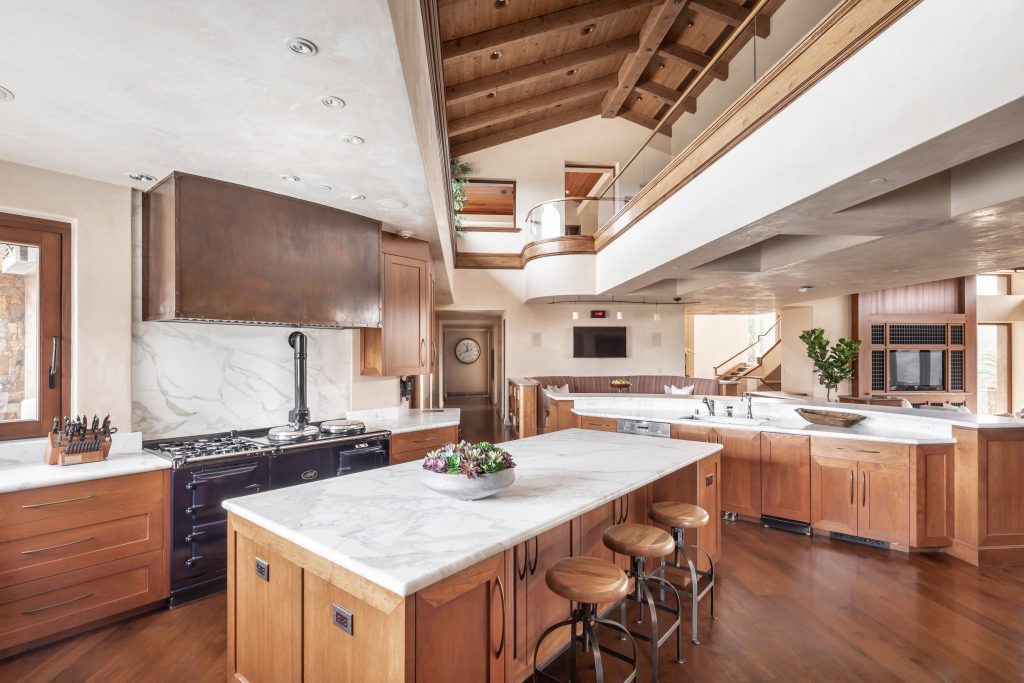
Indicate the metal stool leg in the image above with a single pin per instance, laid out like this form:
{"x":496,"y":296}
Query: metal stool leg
{"x":585,"y":616}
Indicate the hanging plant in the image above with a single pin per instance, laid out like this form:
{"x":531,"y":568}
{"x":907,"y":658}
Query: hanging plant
{"x":460,"y":170}
{"x":833,"y":365}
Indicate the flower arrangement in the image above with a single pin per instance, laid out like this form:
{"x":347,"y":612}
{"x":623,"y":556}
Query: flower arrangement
{"x":468,"y":459}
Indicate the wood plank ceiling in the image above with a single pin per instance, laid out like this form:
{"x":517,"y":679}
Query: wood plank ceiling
{"x":517,"y":67}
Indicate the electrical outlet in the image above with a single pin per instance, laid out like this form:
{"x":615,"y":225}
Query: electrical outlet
{"x":342,"y":618}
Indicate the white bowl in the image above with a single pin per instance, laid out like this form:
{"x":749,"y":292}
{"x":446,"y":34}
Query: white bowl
{"x":464,"y":488}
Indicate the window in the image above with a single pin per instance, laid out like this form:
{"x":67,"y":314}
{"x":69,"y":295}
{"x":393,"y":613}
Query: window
{"x":993,"y":368}
{"x":993,"y":284}
{"x":490,"y":206}
{"x":34,"y":361}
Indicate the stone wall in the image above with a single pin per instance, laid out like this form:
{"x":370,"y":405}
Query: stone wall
{"x":12,"y":345}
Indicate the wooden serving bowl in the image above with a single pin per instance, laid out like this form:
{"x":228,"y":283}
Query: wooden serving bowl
{"x":831,"y":418}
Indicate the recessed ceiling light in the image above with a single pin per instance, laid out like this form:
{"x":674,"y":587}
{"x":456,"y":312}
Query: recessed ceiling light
{"x":805,"y":289}
{"x":5,"y":94}
{"x":332,"y":102}
{"x":357,"y":197}
{"x":879,"y":180}
{"x":405,"y":234}
{"x":501,"y":4}
{"x":353,"y":139}
{"x":290,"y":178}
{"x":325,"y":188}
{"x":588,"y":29}
{"x":142,"y":177}
{"x":391,"y":204}
{"x":491,"y":95}
{"x":302,"y":46}
{"x":571,"y":72}
{"x":496,"y":54}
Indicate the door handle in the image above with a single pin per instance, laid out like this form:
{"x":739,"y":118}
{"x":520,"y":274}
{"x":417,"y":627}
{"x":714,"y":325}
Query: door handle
{"x":56,"y":604}
{"x":33,"y":551}
{"x":191,"y":538}
{"x":521,"y":573}
{"x":504,"y":615}
{"x":52,"y":374}
{"x":863,"y":489}
{"x":423,"y":349}
{"x":55,"y":502}
{"x":851,"y":487}
{"x":536,"y":552}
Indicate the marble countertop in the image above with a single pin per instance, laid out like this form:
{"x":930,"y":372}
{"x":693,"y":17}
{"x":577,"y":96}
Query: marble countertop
{"x":415,"y":420}
{"x":387,"y":527}
{"x":860,"y":432}
{"x":22,"y":466}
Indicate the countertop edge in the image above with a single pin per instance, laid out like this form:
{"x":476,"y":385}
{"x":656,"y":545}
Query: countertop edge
{"x":37,"y":476}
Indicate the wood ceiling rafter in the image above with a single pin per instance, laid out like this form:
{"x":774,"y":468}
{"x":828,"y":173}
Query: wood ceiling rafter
{"x":693,"y":60}
{"x":655,"y":29}
{"x":666,"y":95}
{"x":728,"y":13}
{"x":561,"y":118}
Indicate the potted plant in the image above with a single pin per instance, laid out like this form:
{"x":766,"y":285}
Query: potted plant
{"x":832,"y":364}
{"x":468,"y":471}
{"x":459,"y":171}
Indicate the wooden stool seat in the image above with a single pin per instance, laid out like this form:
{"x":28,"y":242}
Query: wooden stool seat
{"x":638,"y":540}
{"x":587,"y":580}
{"x":679,"y":515}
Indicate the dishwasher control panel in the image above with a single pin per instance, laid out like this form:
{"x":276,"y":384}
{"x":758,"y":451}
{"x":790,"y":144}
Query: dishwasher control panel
{"x":662,"y":429}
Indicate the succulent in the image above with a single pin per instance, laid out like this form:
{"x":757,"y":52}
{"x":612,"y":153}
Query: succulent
{"x":469,"y":459}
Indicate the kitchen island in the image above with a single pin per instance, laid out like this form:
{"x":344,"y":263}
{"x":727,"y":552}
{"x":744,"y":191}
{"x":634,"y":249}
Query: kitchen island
{"x":373,"y":577}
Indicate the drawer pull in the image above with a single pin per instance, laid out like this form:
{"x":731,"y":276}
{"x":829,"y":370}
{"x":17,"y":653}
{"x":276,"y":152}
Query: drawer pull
{"x":55,"y":502}
{"x":855,"y":450}
{"x":36,"y":610}
{"x":55,"y":547}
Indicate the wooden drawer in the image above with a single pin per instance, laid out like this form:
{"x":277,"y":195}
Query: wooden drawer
{"x":59,"y":544}
{"x":43,"y":607}
{"x":692,"y":432}
{"x":70,"y":500}
{"x":868,"y":451}
{"x":426,"y":438}
{"x":409,"y":456}
{"x":601,"y":424}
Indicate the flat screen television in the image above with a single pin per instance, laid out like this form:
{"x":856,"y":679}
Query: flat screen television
{"x":599,"y":342}
{"x":917,"y":370}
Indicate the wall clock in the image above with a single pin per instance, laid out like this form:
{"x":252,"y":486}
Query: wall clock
{"x":467,"y":351}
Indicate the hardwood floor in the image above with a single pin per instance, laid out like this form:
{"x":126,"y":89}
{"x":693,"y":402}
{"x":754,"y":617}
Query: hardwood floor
{"x":790,"y":609}
{"x":479,"y":419}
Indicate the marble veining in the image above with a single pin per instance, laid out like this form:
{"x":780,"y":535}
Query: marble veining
{"x":386,"y":526}
{"x":409,"y":421}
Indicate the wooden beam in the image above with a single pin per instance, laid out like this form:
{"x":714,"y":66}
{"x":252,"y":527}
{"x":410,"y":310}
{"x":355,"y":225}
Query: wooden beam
{"x":666,"y":95}
{"x":639,"y":119}
{"x":532,"y":29}
{"x":523,"y":75}
{"x":559,"y":119}
{"x":694,"y":60}
{"x":657,"y":26}
{"x":468,"y":259}
{"x":731,"y":14}
{"x":530,"y":105}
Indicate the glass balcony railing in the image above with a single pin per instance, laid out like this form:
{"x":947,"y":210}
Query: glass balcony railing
{"x":735,"y":64}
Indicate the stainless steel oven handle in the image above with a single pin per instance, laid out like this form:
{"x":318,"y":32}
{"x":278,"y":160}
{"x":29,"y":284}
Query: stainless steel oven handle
{"x":190,"y":562}
{"x":191,"y":509}
{"x":191,"y":538}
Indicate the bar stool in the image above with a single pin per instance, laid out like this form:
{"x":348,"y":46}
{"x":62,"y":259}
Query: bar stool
{"x":640,"y":541}
{"x":682,"y":516}
{"x":587,"y":581}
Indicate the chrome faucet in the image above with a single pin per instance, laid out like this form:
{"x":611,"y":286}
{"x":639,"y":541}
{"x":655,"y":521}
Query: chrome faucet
{"x":711,"y":406}
{"x":750,"y":404}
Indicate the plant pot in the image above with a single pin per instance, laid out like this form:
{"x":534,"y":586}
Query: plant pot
{"x":464,"y":488}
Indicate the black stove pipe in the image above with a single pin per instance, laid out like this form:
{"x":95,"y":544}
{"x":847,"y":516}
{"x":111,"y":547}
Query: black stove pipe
{"x":299,"y":415}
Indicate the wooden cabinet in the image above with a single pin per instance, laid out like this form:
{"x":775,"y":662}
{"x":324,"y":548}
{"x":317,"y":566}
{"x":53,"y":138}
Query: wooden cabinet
{"x":79,"y":553}
{"x":697,"y":484}
{"x":834,"y":494}
{"x":741,"y":471}
{"x":601,"y":424}
{"x":410,"y":446}
{"x":533,"y":606}
{"x":884,"y":512}
{"x":786,"y":476}
{"x":404,"y":343}
{"x":462,"y":625}
{"x":692,"y":432}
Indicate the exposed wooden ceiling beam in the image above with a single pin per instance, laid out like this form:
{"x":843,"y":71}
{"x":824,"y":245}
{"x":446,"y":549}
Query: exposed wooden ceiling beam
{"x":641,"y":120}
{"x":531,"y":105}
{"x":657,"y":26}
{"x":731,"y":14}
{"x":666,"y":95}
{"x":573,"y":17}
{"x":554,"y":121}
{"x":523,"y":75}
{"x":693,"y":59}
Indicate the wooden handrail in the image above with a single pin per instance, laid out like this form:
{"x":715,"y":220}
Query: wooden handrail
{"x":757,"y":341}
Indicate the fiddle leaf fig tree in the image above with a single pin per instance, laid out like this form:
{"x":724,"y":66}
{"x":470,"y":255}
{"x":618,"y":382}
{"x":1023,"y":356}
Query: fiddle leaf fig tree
{"x":459,"y":170}
{"x":833,"y":365}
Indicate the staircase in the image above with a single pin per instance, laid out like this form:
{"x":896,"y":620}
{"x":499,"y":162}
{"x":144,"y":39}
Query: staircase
{"x":764,"y":372}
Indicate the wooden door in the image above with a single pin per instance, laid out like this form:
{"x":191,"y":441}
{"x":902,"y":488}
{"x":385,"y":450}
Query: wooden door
{"x":267,"y":615}
{"x":709,"y":492}
{"x":462,"y":625}
{"x":406,"y":316}
{"x":600,"y":424}
{"x":786,"y":476}
{"x":692,"y":432}
{"x":834,"y":494}
{"x":884,"y":511}
{"x":741,"y":471}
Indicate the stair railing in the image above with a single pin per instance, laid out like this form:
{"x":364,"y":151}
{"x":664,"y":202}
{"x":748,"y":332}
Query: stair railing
{"x":757,"y":341}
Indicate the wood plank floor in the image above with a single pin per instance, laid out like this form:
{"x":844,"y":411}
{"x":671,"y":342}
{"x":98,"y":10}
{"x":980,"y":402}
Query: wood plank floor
{"x":790,"y":609}
{"x":479,"y":419}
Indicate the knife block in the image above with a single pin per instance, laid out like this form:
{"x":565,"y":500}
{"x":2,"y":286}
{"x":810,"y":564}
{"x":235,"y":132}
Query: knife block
{"x":55,"y":454}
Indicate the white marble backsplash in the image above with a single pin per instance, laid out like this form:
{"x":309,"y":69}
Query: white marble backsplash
{"x":195,"y":378}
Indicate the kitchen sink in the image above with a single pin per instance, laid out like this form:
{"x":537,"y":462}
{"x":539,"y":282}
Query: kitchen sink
{"x":724,"y":419}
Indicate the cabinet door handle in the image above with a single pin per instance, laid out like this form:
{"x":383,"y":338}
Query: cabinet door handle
{"x":55,"y":547}
{"x":856,"y":450}
{"x":423,"y":349}
{"x":56,"y":604}
{"x":521,"y":573}
{"x":504,"y":615}
{"x":851,"y":487}
{"x":536,"y":552}
{"x":51,"y":375}
{"x":54,"y":502}
{"x":863,"y":489}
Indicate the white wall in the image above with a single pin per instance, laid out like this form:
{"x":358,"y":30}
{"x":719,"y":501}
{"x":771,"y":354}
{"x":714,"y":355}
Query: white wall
{"x":463,"y":378}
{"x":715,"y":338}
{"x":833,"y":315}
{"x":1009,"y":309}
{"x":100,"y":218}
{"x":539,"y":336}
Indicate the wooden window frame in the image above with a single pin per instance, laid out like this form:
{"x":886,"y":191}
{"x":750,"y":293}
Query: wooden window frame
{"x":495,"y":181}
{"x":38,"y":428}
{"x":1009,"y":360}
